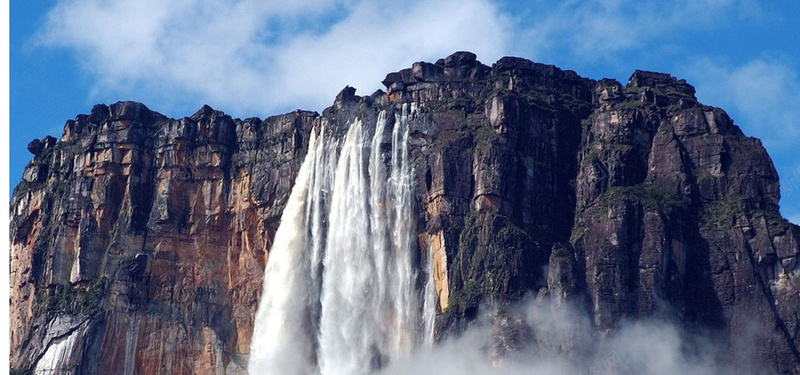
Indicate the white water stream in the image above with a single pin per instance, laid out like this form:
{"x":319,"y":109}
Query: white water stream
{"x":340,"y":295}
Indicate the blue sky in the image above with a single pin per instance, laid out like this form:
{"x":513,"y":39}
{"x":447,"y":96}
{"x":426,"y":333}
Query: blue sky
{"x":256,"y":58}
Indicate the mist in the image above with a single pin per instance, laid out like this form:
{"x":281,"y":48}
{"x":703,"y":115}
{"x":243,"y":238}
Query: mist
{"x":539,"y":336}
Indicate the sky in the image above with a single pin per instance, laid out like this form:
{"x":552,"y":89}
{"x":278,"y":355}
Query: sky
{"x":259,"y":58}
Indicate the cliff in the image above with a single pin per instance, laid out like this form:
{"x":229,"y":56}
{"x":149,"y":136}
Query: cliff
{"x":139,"y":242}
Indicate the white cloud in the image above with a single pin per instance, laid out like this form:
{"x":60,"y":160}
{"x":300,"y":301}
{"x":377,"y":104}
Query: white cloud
{"x":602,"y":29}
{"x":763,"y":92}
{"x":260,"y":57}
{"x":256,"y":57}
{"x":376,"y":39}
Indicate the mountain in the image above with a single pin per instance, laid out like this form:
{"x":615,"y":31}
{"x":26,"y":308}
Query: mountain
{"x":139,"y":242}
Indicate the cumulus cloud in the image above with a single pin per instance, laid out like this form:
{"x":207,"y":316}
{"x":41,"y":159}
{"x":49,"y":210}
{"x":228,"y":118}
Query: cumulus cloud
{"x":256,"y":57}
{"x":261,"y":57}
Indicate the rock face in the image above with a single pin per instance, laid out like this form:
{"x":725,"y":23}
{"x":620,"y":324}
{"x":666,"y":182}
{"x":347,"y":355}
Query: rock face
{"x":147,"y":236}
{"x":139,"y":242}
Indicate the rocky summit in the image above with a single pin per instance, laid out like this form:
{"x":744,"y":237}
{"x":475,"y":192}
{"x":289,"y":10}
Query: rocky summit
{"x":139,"y":242}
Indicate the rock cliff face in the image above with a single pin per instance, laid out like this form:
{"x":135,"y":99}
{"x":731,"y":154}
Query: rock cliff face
{"x":139,"y":241}
{"x":143,"y":239}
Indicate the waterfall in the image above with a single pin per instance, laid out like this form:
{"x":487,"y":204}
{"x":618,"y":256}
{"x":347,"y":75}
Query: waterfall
{"x":340,"y":287}
{"x":280,"y":343}
{"x":429,"y":306}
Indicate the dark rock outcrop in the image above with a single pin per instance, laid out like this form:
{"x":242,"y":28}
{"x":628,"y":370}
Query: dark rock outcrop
{"x":143,"y":239}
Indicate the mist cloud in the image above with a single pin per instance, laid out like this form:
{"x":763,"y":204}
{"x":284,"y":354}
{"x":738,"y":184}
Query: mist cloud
{"x":563,"y":342}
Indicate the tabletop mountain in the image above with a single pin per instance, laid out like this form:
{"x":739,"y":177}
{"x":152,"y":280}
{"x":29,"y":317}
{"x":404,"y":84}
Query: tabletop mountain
{"x":139,"y":242}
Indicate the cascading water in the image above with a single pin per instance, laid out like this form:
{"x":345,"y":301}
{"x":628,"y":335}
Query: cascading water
{"x":429,"y":306}
{"x":339,"y":287}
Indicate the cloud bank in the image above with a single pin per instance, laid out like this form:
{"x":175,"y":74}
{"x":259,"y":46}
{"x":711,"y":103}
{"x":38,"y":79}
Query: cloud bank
{"x":261,"y":57}
{"x":264,"y":57}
